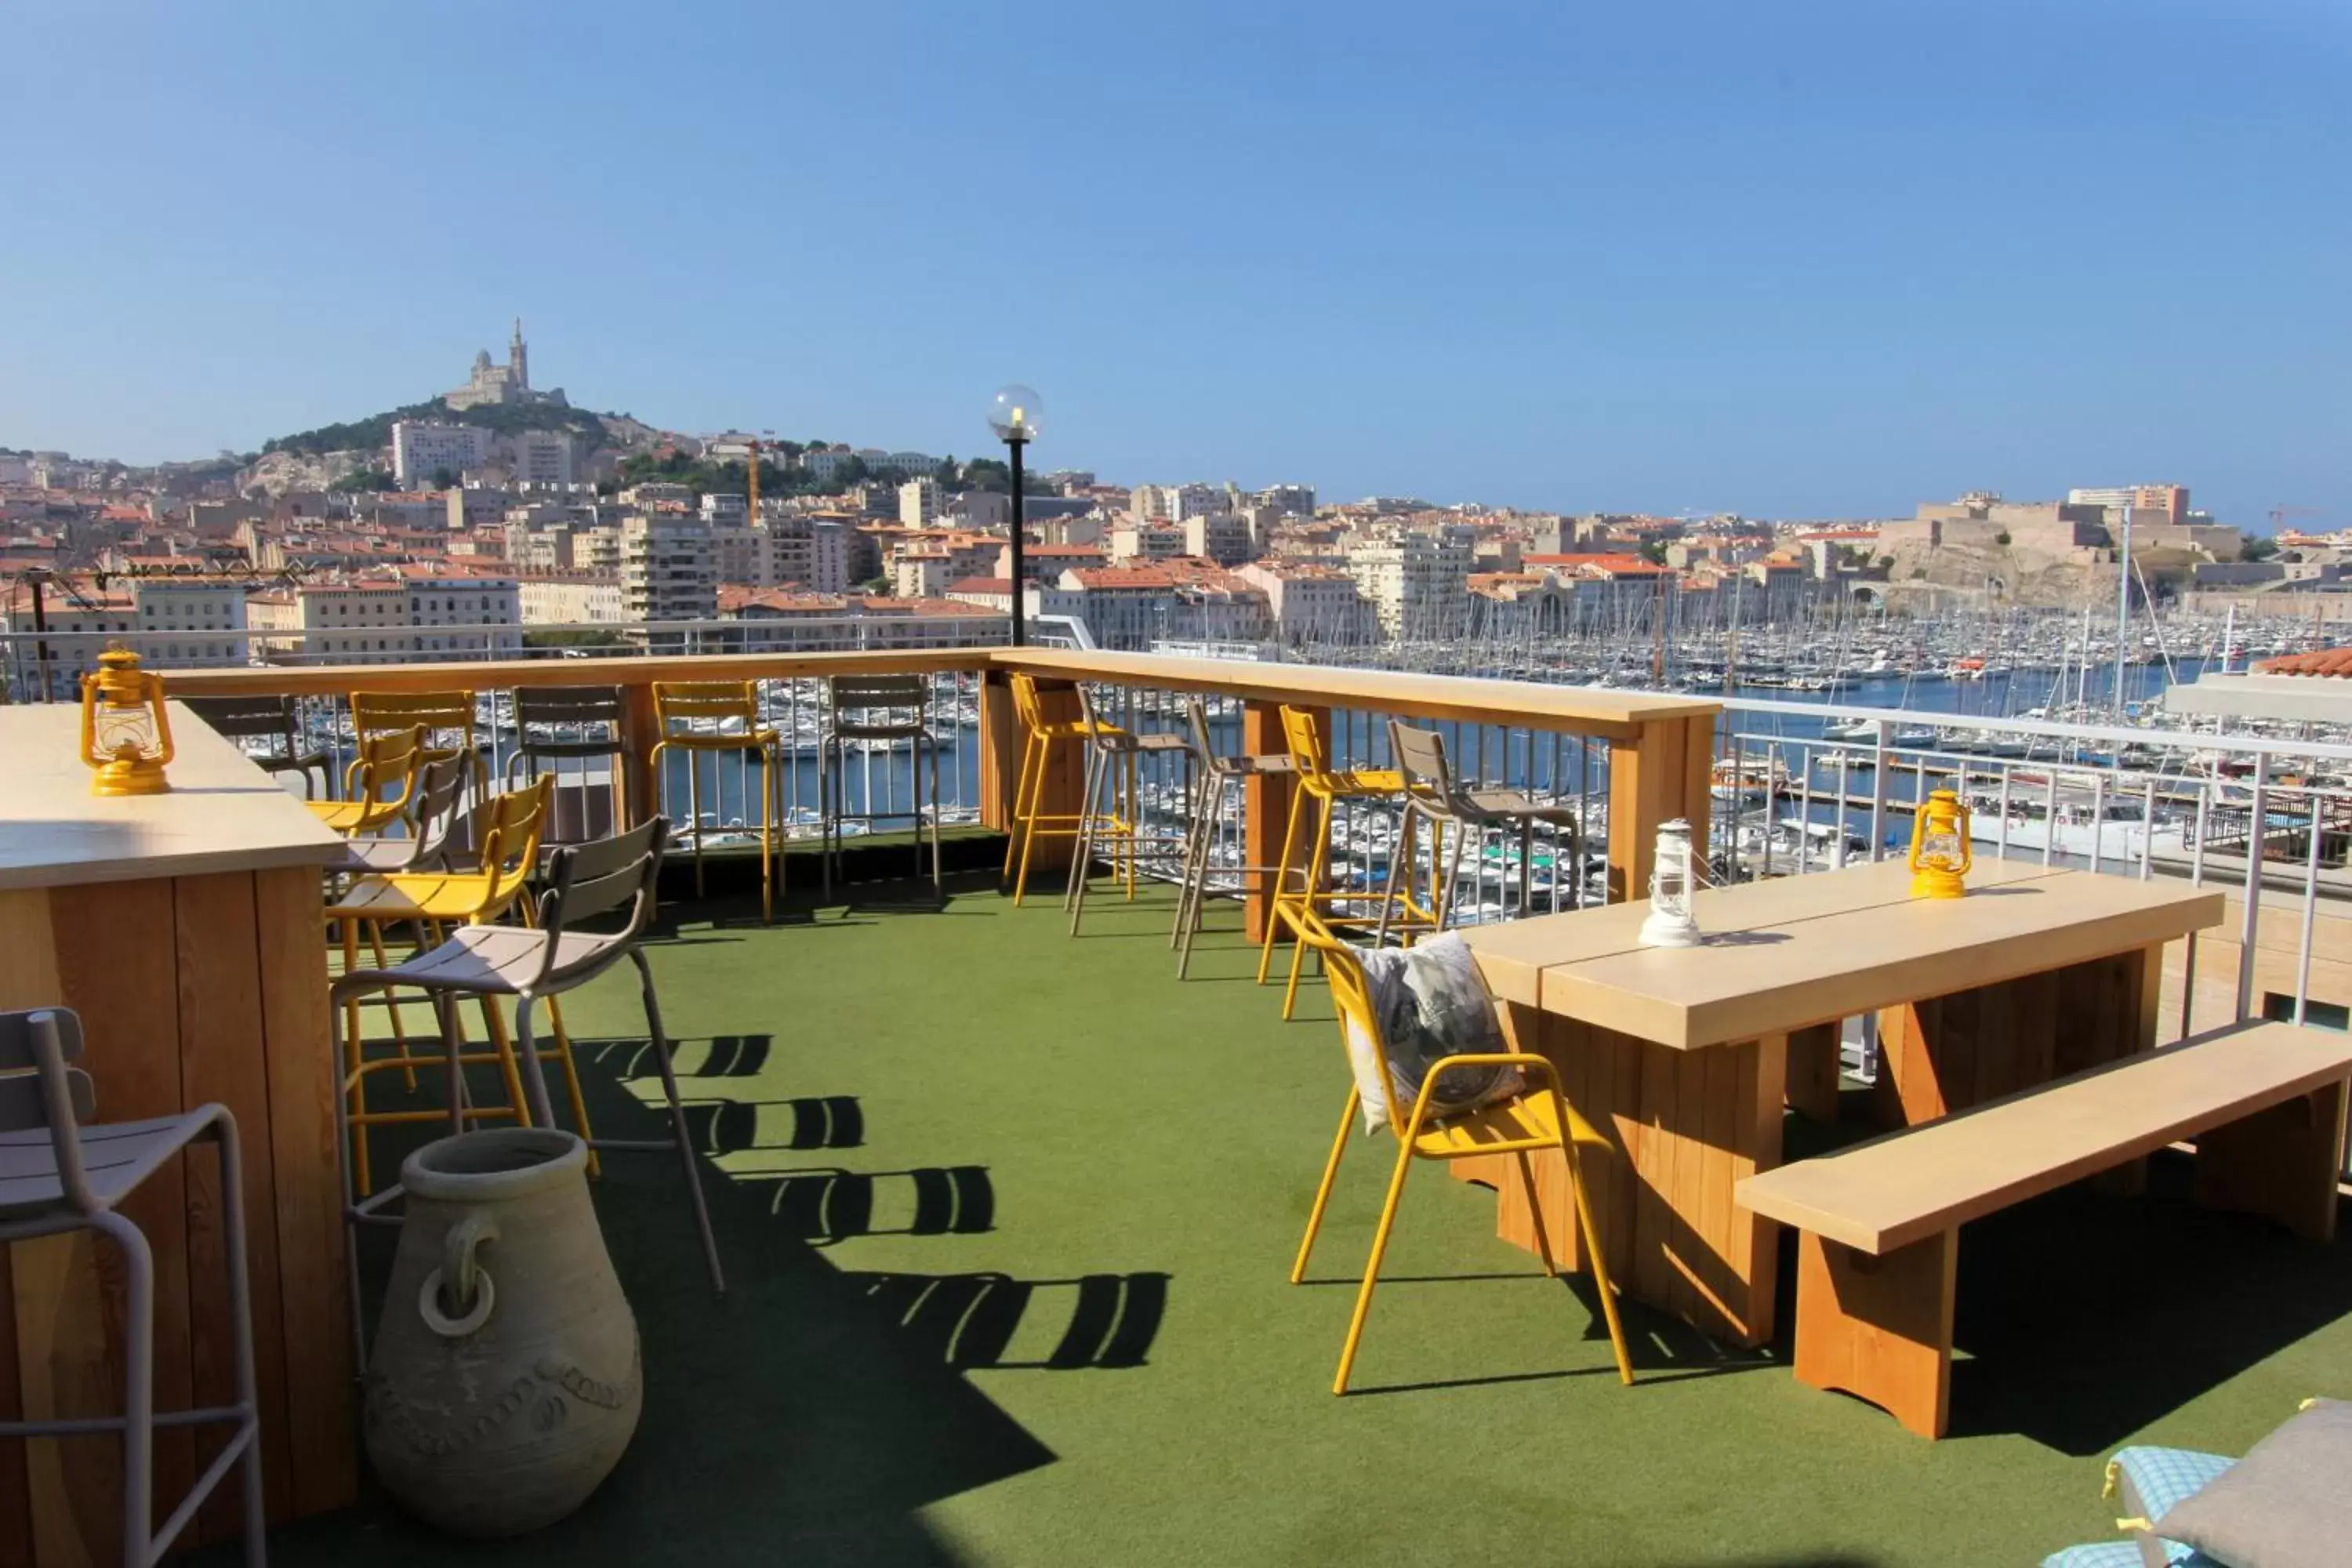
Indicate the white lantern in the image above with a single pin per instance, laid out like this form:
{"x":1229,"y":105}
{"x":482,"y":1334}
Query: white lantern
{"x":1671,"y":922}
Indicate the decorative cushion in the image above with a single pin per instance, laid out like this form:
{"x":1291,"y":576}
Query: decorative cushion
{"x":2151,"y":1481}
{"x":2285,"y":1505}
{"x":2098,"y":1554}
{"x":1430,"y":1002}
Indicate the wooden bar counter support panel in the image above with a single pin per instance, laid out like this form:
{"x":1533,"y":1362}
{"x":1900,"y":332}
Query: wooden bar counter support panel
{"x":187,"y":930}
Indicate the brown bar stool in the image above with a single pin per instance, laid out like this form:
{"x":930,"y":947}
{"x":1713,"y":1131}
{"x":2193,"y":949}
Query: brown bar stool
{"x":272,"y":719}
{"x":58,"y":1175}
{"x":1111,"y":808}
{"x":881,"y":710}
{"x":1219,"y":774}
{"x":722,"y":717}
{"x":542,"y":714}
{"x":1434,"y":795}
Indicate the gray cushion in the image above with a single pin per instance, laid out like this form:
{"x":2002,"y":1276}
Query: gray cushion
{"x":2155,"y":1480}
{"x":1429,"y":1002}
{"x":2285,"y":1505}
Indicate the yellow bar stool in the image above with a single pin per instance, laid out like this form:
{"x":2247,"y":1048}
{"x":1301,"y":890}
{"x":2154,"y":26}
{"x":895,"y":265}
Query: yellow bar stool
{"x":1537,"y":1117}
{"x":718,"y":718}
{"x":512,"y":826}
{"x":378,"y":786}
{"x":1298,"y":888}
{"x":1031,"y":820}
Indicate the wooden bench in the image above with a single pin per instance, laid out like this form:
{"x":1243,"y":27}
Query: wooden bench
{"x":2265,"y":1103}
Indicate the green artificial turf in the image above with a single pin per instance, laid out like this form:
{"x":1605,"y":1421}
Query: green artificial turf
{"x":1009,"y":1219}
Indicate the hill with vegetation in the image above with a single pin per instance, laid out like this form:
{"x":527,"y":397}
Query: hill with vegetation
{"x":374,"y":432}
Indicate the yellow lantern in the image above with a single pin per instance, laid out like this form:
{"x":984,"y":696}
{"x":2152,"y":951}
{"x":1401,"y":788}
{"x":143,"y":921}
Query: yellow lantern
{"x":126,"y":735}
{"x":1941,"y":852}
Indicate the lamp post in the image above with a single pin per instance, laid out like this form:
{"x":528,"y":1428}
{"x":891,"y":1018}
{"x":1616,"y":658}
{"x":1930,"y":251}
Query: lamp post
{"x":1013,"y":414}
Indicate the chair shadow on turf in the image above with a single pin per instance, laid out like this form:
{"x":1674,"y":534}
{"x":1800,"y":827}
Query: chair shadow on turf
{"x":808,"y":1414}
{"x":970,"y":1319}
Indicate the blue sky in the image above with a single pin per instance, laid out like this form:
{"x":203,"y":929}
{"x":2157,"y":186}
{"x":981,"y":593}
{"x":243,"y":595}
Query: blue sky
{"x":1792,"y":260}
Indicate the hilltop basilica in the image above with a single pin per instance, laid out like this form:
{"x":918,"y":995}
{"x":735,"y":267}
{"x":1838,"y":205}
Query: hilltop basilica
{"x":506,"y":383}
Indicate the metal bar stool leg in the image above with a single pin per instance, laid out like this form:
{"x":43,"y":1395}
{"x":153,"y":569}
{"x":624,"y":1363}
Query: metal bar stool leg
{"x":693,"y":1168}
{"x":931,"y":744}
{"x":240,"y":1310}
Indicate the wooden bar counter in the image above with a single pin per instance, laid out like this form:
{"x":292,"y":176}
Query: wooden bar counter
{"x":187,"y":928}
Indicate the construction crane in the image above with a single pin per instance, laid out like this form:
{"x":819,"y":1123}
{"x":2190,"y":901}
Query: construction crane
{"x":2281,"y":512}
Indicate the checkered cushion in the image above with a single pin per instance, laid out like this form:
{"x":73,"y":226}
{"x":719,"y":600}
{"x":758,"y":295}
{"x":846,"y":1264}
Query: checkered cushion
{"x":2098,"y":1554}
{"x":2153,"y":1481}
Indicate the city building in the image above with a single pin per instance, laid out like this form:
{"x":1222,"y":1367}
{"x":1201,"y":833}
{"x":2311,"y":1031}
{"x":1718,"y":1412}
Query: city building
{"x":542,"y":457}
{"x":569,"y":598}
{"x":424,"y":453}
{"x":2149,"y":503}
{"x":1415,"y":579}
{"x":668,"y":572}
{"x":918,"y":502}
{"x":462,"y":613}
{"x":1224,"y":537}
{"x":207,"y":613}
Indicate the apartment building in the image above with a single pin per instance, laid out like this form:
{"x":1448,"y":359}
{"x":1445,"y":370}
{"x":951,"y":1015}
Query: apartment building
{"x":1414,"y":580}
{"x":918,"y":502}
{"x":570,"y":598}
{"x":190,"y":622}
{"x":421,"y":449}
{"x":79,"y":624}
{"x":668,"y":572}
{"x":1224,"y":537}
{"x":1309,"y":602}
{"x":818,"y":552}
{"x":542,"y":457}
{"x":453,"y":612}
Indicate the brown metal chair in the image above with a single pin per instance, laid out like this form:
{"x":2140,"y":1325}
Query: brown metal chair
{"x":267,"y":718}
{"x":1217,"y":777}
{"x":541,"y":714}
{"x":877,"y":710}
{"x":1434,"y":795}
{"x":58,"y":1175}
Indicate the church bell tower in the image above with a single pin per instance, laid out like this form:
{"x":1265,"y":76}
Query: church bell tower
{"x":518,"y":361}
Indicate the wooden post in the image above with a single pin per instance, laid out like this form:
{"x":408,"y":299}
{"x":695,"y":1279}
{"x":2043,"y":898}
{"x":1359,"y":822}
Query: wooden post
{"x":1662,"y":772}
{"x":1266,"y":806}
{"x":1000,"y":749}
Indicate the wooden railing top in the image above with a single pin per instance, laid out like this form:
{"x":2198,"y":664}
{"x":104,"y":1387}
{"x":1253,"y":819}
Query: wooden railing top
{"x":504,"y":674}
{"x":1578,"y":710}
{"x":1574,"y":709}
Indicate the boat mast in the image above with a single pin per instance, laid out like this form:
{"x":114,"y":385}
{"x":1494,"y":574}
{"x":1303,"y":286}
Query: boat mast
{"x":2122,"y":609}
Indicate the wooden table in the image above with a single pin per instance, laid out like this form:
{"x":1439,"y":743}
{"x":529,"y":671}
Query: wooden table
{"x":1685,"y":1058}
{"x":186,"y":930}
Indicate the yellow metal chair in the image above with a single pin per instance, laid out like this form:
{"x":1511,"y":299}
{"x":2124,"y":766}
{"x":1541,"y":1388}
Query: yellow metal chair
{"x":1300,"y":894}
{"x":511,"y":826}
{"x":1539,"y":1117}
{"x":716,"y":718}
{"x":389,"y":762}
{"x":1031,"y":820}
{"x":448,"y":719}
